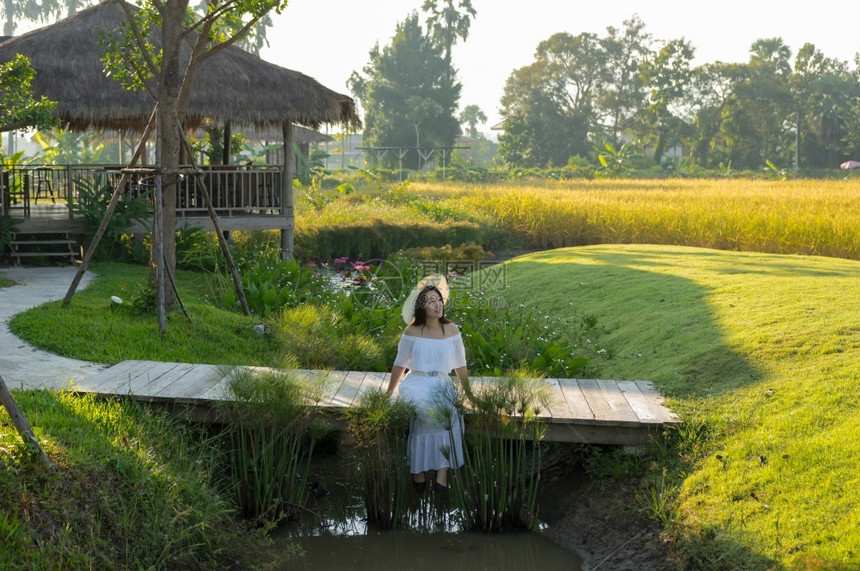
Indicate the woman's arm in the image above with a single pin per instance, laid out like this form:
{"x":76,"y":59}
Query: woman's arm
{"x":396,"y":374}
{"x":463,"y":374}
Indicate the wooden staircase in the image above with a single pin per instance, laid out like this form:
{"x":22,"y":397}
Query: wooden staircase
{"x":45,"y":245}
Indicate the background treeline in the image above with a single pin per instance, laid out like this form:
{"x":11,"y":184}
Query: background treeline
{"x":629,"y":96}
{"x":790,"y":109}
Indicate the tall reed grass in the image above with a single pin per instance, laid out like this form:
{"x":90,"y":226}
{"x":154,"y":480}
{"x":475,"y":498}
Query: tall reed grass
{"x":271,"y":436}
{"x":496,"y":489}
{"x":377,"y":430}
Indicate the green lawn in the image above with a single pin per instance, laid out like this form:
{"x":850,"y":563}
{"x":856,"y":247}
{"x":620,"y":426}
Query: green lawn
{"x":93,"y":329}
{"x":760,"y":354}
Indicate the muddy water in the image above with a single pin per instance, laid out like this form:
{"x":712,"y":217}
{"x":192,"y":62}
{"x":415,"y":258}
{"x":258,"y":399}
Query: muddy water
{"x":431,"y":551}
{"x":333,"y":534}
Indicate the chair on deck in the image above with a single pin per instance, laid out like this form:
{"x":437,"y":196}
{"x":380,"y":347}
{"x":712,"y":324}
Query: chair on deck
{"x":43,"y":185}
{"x":16,"y":189}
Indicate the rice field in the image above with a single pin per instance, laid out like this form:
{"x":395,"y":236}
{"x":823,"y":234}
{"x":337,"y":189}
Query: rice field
{"x":811,"y":217}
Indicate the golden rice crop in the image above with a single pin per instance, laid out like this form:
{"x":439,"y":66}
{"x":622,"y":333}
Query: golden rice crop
{"x":819,"y":217}
{"x":816,"y":217}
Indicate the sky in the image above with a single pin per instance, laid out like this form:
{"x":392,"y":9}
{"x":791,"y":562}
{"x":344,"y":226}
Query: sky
{"x":329,"y":39}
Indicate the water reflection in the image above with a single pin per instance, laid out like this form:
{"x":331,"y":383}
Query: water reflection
{"x":418,"y":551}
{"x":334,"y":534}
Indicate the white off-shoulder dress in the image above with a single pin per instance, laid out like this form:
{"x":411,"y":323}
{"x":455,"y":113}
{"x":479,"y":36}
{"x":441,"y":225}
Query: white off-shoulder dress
{"x":433,"y":443}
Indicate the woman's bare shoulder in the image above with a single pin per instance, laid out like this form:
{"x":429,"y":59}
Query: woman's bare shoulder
{"x":412,"y":330}
{"x":449,"y":332}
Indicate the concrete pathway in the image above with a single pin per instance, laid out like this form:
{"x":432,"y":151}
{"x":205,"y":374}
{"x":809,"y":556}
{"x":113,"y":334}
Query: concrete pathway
{"x":23,"y":366}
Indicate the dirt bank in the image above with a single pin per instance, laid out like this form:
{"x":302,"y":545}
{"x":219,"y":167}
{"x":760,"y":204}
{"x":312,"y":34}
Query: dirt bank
{"x":600,"y":523}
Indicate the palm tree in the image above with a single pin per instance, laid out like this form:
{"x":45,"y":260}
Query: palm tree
{"x":471,"y":115}
{"x":446,"y":22}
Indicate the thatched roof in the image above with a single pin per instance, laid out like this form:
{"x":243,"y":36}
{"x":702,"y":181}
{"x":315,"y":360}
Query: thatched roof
{"x":231,"y":85}
{"x":301,"y":135}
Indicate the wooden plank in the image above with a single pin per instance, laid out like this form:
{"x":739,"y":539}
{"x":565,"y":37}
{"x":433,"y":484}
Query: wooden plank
{"x":349,"y":390}
{"x":218,"y":392}
{"x":336,"y":379}
{"x":601,"y":433}
{"x":140,"y":384}
{"x":596,"y":401}
{"x":109,"y":375}
{"x":576,"y":400}
{"x":656,"y":400}
{"x":375,"y":380}
{"x":192,"y":384}
{"x":111,"y":384}
{"x":585,"y":410}
{"x":621,"y":410}
{"x":645,"y":413}
{"x":559,"y":410}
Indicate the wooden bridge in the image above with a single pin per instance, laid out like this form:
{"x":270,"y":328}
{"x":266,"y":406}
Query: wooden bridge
{"x":627,"y":413}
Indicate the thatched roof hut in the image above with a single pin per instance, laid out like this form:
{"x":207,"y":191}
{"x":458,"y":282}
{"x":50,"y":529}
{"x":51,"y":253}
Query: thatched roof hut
{"x":232,"y":85}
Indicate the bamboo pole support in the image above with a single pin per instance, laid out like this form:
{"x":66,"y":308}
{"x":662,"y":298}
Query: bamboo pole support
{"x":216,"y":224}
{"x":20,"y":422}
{"x":114,"y":200}
{"x":158,"y":231}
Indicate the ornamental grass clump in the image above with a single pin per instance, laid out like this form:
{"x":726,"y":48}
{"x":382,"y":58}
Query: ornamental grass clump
{"x":273,"y":428}
{"x":496,"y":489}
{"x":377,"y":429}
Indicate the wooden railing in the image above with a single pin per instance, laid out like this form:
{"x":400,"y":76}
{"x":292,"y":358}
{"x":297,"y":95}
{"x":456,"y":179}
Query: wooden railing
{"x":235,"y":190}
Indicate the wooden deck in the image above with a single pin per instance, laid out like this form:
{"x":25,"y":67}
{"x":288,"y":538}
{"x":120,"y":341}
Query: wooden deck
{"x":589,"y":411}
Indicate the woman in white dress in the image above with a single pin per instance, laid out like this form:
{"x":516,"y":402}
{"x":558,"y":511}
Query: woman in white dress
{"x":430,"y":348}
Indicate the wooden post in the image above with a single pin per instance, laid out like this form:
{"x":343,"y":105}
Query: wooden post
{"x":20,"y":422}
{"x":287,"y":175}
{"x":158,"y":231}
{"x":114,"y":199}
{"x":228,"y":143}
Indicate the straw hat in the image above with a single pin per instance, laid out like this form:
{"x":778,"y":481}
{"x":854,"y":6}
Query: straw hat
{"x":437,"y":280}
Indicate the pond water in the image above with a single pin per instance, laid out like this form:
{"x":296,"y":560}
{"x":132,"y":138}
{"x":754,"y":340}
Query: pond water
{"x":334,"y":535}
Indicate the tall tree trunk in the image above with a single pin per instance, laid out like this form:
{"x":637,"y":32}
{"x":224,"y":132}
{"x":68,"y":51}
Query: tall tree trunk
{"x":168,"y":106}
{"x":660,"y":146}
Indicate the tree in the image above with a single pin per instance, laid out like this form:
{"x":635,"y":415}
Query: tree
{"x":623,"y":99}
{"x":134,"y":59}
{"x":471,"y":115}
{"x":408,"y":92}
{"x":666,"y":78}
{"x":549,"y":107}
{"x":446,"y":22}
{"x":759,"y":109}
{"x":18,"y":106}
{"x":712,"y":86}
{"x":851,"y":139}
{"x":824,"y":93}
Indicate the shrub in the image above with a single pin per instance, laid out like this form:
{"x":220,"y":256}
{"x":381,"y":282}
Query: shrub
{"x":92,"y":204}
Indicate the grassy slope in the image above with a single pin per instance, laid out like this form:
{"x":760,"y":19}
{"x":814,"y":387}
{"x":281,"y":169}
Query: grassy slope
{"x":765,"y":349}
